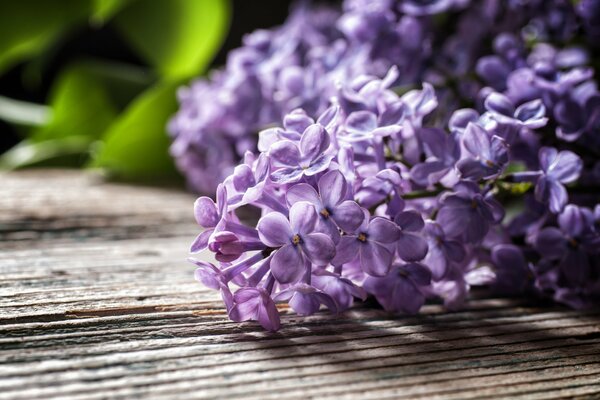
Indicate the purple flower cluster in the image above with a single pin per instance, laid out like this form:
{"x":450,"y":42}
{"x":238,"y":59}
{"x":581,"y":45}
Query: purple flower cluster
{"x":358,"y":185}
{"x":369,"y":199}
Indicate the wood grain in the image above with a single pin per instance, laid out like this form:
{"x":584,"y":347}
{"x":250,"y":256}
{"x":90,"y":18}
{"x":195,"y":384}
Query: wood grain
{"x":98,"y":302}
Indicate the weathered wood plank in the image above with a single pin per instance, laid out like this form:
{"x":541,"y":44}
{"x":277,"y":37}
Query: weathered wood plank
{"x":97,"y":301}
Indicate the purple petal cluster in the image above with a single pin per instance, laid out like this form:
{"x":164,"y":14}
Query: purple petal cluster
{"x":364,"y":181}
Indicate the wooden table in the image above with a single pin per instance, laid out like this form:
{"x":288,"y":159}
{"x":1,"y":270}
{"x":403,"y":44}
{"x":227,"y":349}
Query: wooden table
{"x":97,"y":302}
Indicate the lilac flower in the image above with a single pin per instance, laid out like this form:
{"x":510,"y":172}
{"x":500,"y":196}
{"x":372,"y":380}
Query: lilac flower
{"x":292,"y":162}
{"x":442,"y":252}
{"x":296,"y":242}
{"x":334,"y":211}
{"x":400,"y":291}
{"x":577,"y":117}
{"x":514,"y":274}
{"x":352,"y":158}
{"x":253,"y":303}
{"x":363,"y":126}
{"x":530,"y":114}
{"x":467,"y":214}
{"x":213,"y":278}
{"x":371,"y":244}
{"x":443,"y":151}
{"x":249,"y":180}
{"x":557,"y":169}
{"x":571,"y":243}
{"x":489,"y":155}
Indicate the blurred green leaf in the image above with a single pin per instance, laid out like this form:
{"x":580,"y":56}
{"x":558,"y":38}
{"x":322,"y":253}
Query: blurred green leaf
{"x":80,"y":106}
{"x":29,"y":153}
{"x":136,"y":145}
{"x":29,"y":26}
{"x":106,"y":9}
{"x":178,"y":37}
{"x":122,"y":82}
{"x":23,"y":113}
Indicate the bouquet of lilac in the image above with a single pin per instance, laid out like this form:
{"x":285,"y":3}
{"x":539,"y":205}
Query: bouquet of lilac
{"x":372,"y":189}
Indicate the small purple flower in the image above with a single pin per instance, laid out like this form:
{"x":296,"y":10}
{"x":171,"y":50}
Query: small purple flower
{"x":443,"y":151}
{"x":489,"y":155}
{"x":254,"y":303}
{"x":213,"y":278}
{"x":576,"y":117}
{"x":308,"y":159}
{"x":530,"y":114}
{"x":442,"y":252}
{"x":557,"y":169}
{"x":401,"y":290}
{"x":371,"y":243}
{"x":297,"y":243}
{"x":248,"y":180}
{"x":467,"y":214}
{"x":331,"y":204}
{"x":572,"y":244}
{"x":514,"y":274}
{"x":364,"y":126}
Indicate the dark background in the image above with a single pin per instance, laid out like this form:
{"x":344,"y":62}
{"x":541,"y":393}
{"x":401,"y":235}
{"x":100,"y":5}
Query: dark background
{"x":105,"y":43}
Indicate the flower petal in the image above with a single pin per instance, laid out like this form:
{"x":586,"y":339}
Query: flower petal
{"x":532,"y":114}
{"x":375,"y":259}
{"x":201,"y":241}
{"x":287,"y":264}
{"x":285,"y":153}
{"x":382,"y":230}
{"x":361,"y":122}
{"x":315,"y":140}
{"x":410,"y":221}
{"x":477,"y":141}
{"x":412,"y":247}
{"x":551,"y":243}
{"x":418,"y":273}
{"x":205,"y":211}
{"x":303,"y":192}
{"x":318,"y":247}
{"x":267,"y":314}
{"x":566,"y":167}
{"x":303,"y":218}
{"x":348,"y":216}
{"x":286,"y":175}
{"x":274,"y":229}
{"x":346,"y":250}
{"x":332,"y":187}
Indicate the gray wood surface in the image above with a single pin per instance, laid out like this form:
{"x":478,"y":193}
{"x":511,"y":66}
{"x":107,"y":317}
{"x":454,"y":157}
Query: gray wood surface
{"x":97,"y":302}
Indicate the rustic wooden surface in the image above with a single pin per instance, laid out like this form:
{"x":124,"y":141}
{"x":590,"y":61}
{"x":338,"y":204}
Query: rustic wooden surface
{"x":97,"y":302}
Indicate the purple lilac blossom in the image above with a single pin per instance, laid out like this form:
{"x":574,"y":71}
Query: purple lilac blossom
{"x":369,"y":182}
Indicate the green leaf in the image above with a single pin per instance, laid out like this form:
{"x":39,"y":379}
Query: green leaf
{"x":29,"y":26}
{"x":178,"y":37}
{"x":106,"y":9}
{"x":23,"y":113}
{"x":122,"y":82}
{"x":136,"y":145}
{"x":29,"y":153}
{"x":80,"y":106}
